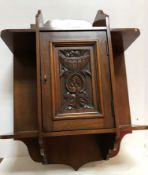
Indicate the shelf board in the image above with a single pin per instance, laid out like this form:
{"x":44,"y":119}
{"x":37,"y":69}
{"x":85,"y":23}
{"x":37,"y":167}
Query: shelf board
{"x":32,"y":134}
{"x":79,"y":132}
{"x":122,"y":38}
{"x":22,"y":134}
{"x":134,"y":127}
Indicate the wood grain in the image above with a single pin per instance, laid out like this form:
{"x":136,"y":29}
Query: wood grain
{"x":88,"y":66}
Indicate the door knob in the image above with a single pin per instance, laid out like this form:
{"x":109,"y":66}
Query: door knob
{"x":45,"y":78}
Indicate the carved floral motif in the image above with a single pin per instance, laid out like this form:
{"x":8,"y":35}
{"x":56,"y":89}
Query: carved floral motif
{"x":74,"y":70}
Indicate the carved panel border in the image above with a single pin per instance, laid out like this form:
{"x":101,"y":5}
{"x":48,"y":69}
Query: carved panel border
{"x":76,"y":79}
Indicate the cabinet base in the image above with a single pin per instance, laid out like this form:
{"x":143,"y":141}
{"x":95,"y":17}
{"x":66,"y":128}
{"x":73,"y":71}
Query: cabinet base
{"x":75,"y":151}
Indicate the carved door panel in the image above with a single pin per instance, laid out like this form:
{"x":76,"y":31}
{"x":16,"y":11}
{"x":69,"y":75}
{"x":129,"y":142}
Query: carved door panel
{"x":76,"y":89}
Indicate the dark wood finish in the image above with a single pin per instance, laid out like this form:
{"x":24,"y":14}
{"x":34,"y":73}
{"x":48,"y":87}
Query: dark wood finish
{"x":24,"y":83}
{"x":80,"y":132}
{"x":99,"y":62}
{"x":75,"y":73}
{"x":113,"y":82}
{"x":39,"y":23}
{"x":118,"y":35}
{"x":122,"y":93}
{"x":123,"y":38}
{"x":100,"y":19}
{"x":69,"y":106}
{"x":134,"y":127}
{"x":116,"y":147}
{"x":34,"y":148}
{"x":103,"y":19}
{"x":72,"y":150}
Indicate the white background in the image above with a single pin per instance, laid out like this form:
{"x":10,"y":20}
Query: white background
{"x":125,"y":13}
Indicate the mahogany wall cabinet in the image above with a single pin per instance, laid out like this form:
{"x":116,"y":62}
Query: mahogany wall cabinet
{"x":70,"y":90}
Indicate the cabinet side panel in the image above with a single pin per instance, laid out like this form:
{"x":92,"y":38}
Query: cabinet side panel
{"x":121,"y":87}
{"x":25,"y":107}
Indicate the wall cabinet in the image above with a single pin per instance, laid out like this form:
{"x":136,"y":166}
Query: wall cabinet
{"x":70,"y":90}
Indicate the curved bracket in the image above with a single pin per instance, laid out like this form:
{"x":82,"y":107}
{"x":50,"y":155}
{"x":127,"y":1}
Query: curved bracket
{"x":116,"y":148}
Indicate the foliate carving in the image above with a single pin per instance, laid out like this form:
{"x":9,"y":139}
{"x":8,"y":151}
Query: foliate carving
{"x":75,"y":77}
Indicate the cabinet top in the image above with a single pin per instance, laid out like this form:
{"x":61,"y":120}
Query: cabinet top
{"x":121,"y":38}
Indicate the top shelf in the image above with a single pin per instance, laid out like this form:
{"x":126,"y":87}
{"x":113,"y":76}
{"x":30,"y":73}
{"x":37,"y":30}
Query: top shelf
{"x":122,"y":38}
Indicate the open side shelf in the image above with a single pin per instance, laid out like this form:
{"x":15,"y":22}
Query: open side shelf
{"x":122,"y":38}
{"x":135,"y":127}
{"x":33,"y":134}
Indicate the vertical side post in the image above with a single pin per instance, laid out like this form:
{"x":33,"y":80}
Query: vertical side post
{"x":113,"y":78}
{"x":39,"y":23}
{"x":102,"y":19}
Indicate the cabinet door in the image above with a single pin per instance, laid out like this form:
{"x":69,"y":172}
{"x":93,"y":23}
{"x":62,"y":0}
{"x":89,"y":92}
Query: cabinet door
{"x":76,"y":87}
